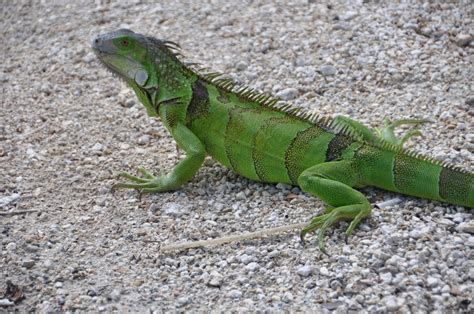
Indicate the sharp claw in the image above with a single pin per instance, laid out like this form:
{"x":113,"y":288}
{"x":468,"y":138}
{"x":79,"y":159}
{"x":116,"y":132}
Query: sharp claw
{"x":145,"y":173}
{"x":321,"y":245}
{"x":302,"y":234}
{"x":132,"y":177}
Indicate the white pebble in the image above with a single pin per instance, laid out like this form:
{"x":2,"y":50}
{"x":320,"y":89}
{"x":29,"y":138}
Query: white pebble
{"x":305,"y":271}
{"x":252,"y":266}
{"x":288,"y":94}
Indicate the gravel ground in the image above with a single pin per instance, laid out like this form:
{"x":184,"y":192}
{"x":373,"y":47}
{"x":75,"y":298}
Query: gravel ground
{"x":67,"y":127}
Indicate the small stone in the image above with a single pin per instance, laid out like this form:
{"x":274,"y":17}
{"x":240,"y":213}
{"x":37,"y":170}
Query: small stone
{"x":328,"y":70}
{"x":445,"y":289}
{"x":246,"y":259}
{"x":324,"y":271}
{"x":445,"y":115}
{"x":458,"y":218}
{"x":222,"y":264}
{"x":252,"y":266}
{"x":461,"y":126}
{"x":6,"y":302}
{"x":88,"y":58}
{"x":48,"y":263}
{"x":138,"y":282}
{"x":283,"y":186}
{"x":432,"y":282}
{"x":343,"y":26}
{"x":310,"y":284}
{"x":305,"y":271}
{"x":349,"y":15}
{"x":467,"y":226}
{"x":154,"y":208}
{"x":240,"y":196}
{"x":235,"y":294}
{"x":287,"y":297}
{"x":391,"y":303}
{"x":54,"y":227}
{"x":386,"y":277}
{"x":97,"y":149}
{"x":470,"y":241}
{"x":30,"y":153}
{"x":215,"y":279}
{"x":114,"y":295}
{"x":182,"y":301}
{"x":462,"y":40}
{"x":470,"y":101}
{"x":426,"y":31}
{"x":241,"y":65}
{"x":144,"y":139}
{"x":3,"y":78}
{"x":4,"y":201}
{"x":288,"y":94}
{"x":28,"y":264}
{"x":174,"y":209}
{"x":455,"y":290}
{"x":97,"y":146}
{"x":46,"y":89}
{"x":11,"y":246}
{"x":170,"y":262}
{"x":419,"y":233}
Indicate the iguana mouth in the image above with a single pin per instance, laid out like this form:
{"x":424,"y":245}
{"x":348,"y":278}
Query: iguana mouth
{"x":100,"y":46}
{"x":102,"y":49}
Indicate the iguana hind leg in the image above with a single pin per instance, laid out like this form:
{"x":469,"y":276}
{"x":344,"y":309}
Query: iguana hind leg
{"x":332,"y":182}
{"x":387,"y":132}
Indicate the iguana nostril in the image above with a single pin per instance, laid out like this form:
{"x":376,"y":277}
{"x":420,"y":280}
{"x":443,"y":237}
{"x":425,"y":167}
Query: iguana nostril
{"x":96,"y":42}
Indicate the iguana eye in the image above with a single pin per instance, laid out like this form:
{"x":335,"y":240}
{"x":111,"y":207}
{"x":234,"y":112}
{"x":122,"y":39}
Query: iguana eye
{"x":124,"y":42}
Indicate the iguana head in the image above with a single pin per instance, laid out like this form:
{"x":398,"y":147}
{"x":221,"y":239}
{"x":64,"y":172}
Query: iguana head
{"x":126,"y":54}
{"x":148,"y":65}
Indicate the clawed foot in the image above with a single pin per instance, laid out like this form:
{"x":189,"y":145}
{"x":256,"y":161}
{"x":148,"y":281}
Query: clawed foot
{"x":146,"y":184}
{"x":355,"y":213}
{"x":387,"y":133}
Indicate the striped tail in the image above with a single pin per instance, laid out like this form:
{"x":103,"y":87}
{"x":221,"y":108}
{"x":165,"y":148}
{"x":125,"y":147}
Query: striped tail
{"x":427,"y":178}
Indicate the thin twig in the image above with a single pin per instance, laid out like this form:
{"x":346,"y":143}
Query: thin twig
{"x":231,"y":238}
{"x":18,"y":212}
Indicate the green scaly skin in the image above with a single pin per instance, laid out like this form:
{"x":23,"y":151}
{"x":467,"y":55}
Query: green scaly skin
{"x":245,"y":131}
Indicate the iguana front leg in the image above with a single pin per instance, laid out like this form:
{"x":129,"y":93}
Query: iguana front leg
{"x":332,"y":182}
{"x":180,"y":174}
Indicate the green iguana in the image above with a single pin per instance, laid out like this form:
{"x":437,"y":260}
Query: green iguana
{"x":250,"y":133}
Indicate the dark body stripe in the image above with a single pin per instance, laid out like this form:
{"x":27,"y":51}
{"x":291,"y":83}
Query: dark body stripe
{"x":270,"y":145}
{"x":299,"y":153}
{"x":239,"y":134}
{"x":200,"y":105}
{"x":337,"y":146}
{"x":455,"y":186}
